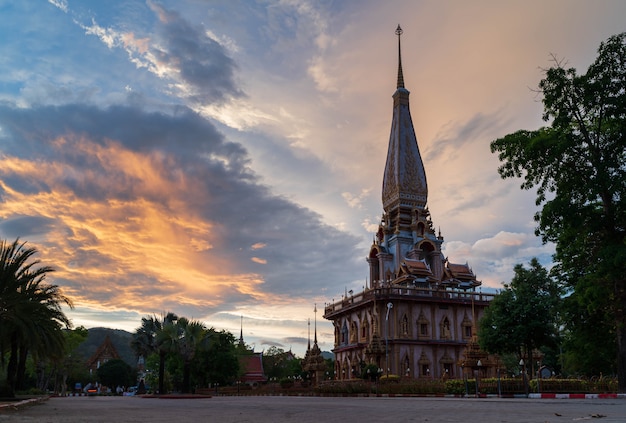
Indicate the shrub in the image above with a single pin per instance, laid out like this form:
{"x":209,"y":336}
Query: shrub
{"x":286,"y":383}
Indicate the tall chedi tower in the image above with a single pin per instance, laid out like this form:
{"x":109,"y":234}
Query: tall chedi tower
{"x":406,"y":230}
{"x":415,"y":316}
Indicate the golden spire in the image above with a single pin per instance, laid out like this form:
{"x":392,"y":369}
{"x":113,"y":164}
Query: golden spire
{"x":400,"y":76}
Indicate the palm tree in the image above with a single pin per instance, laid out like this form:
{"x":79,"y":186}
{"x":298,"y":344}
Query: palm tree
{"x":156,"y":336}
{"x":193,"y":335}
{"x":31,"y":318}
{"x":144,"y":338}
{"x":167,"y":343}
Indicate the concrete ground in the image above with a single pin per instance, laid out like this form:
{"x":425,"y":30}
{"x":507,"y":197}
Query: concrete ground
{"x":316,"y":410}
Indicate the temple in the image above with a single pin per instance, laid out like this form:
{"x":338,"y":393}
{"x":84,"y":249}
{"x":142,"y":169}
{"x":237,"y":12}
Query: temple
{"x":417,"y":316}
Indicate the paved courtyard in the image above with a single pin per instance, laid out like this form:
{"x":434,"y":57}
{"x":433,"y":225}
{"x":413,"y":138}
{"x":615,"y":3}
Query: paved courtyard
{"x":317,"y":410}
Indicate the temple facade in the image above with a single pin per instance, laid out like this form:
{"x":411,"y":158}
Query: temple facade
{"x":417,"y":315}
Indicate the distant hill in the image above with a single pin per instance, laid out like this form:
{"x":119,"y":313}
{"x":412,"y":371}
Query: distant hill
{"x":119,"y":338}
{"x":327,"y":354}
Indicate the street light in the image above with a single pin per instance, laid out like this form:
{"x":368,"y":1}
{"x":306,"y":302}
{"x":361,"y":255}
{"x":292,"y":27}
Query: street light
{"x":389,"y":307}
{"x":538,"y":377}
{"x":499,"y":383}
{"x":478,"y":366}
{"x":465,"y":379}
{"x":523,"y":370}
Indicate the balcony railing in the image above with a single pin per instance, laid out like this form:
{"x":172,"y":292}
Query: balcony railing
{"x":452,"y":295}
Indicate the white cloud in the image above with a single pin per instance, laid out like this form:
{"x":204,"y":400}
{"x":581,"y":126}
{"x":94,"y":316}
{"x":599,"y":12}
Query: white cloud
{"x":61,"y":4}
{"x":493,"y":258}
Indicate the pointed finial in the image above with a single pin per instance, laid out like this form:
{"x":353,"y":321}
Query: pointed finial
{"x":308,"y":348}
{"x":400,"y":76}
{"x":241,"y":333}
{"x":315,"y":327}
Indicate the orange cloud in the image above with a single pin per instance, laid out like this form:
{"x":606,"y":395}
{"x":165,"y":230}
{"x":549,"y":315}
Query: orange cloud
{"x":136,"y":251}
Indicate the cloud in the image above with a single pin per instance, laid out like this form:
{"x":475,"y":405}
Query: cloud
{"x":454,"y":137}
{"x":198,"y":64}
{"x":61,"y":4}
{"x":27,"y":227}
{"x":493,"y":258}
{"x":191,"y":60}
{"x":153,"y":211}
{"x":355,"y":201}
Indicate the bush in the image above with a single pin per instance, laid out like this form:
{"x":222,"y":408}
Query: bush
{"x":594,"y":385}
{"x":345,"y":387}
{"x":286,"y":383}
{"x":455,"y":387}
{"x":389,"y":378}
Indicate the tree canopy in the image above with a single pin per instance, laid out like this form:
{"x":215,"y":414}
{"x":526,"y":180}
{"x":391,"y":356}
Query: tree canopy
{"x":577,"y":164}
{"x":116,"y":373}
{"x":186,"y":353}
{"x":523,"y":316}
{"x":31,"y":318}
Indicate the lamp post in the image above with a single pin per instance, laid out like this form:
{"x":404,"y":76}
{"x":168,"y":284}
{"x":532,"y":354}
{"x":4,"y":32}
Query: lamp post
{"x":389,"y":307}
{"x":523,"y":370}
{"x":499,"y":383}
{"x":538,"y":377}
{"x":478,"y":366}
{"x":465,"y":379}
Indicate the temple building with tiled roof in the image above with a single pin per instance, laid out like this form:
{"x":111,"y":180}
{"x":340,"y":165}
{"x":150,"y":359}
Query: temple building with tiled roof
{"x":417,"y":315}
{"x":105,"y":352}
{"x":250,"y":363}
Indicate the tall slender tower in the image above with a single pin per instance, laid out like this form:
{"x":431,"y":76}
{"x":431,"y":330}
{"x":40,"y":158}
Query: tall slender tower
{"x":415,"y":318}
{"x":406,"y":221}
{"x":404,"y":180}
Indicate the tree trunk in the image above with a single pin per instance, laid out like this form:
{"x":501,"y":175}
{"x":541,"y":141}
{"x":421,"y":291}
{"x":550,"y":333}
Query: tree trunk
{"x":620,"y":329}
{"x":186,"y":376}
{"x":12,"y":366}
{"x":41,"y":375}
{"x":161,"y":372}
{"x":21,"y":367}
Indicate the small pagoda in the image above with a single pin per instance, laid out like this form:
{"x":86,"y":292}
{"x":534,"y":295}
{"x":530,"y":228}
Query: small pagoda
{"x":313,"y":363}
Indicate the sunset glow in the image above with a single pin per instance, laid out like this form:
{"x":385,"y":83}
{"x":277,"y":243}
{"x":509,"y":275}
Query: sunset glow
{"x":225,"y":159}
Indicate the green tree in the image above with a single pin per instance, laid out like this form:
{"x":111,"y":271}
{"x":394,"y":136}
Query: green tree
{"x":156,"y":336}
{"x":193,"y":337}
{"x":219,"y":362}
{"x":31,"y":318}
{"x":577,"y":166}
{"x":116,"y":372}
{"x":275,"y":363}
{"x":73,"y":364}
{"x":585,"y":347}
{"x":279,"y":364}
{"x":523,"y":316}
{"x":70,"y":367}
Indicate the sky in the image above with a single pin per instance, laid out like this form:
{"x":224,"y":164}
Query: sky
{"x":223,"y":160}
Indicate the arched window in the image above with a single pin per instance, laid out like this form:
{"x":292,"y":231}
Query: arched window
{"x":423,"y":327}
{"x":446,"y":333}
{"x":354,"y":332}
{"x":365,"y":330}
{"x":467,"y":327}
{"x":344,"y":334}
{"x":404,"y":326}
